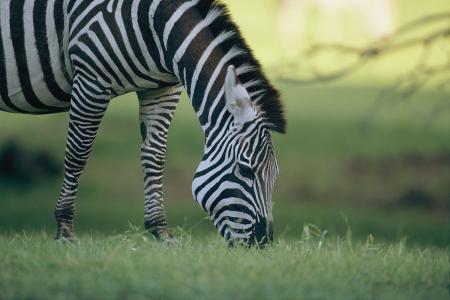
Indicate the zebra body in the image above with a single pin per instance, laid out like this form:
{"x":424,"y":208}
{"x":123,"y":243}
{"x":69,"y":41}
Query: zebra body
{"x":39,"y":37}
{"x":23,"y":76}
{"x":76,"y":55}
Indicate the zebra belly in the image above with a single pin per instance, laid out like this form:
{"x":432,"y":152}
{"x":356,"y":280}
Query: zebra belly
{"x":32,"y":69}
{"x":20,"y":101}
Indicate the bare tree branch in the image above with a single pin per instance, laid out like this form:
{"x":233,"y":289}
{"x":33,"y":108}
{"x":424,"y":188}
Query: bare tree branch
{"x":361,"y":56}
{"x":423,"y":71}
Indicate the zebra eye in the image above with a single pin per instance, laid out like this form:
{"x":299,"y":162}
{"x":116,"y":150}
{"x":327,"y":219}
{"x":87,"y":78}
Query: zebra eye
{"x":246,"y":171}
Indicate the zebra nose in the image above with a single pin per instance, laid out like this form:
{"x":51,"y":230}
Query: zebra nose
{"x":270,"y":231}
{"x":262,"y":233}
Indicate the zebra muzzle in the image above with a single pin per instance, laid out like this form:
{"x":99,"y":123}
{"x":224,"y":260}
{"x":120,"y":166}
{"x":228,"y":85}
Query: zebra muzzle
{"x":262,"y":233}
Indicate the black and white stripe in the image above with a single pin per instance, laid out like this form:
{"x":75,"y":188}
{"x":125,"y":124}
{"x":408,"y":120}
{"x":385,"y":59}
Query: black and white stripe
{"x":75,"y":55}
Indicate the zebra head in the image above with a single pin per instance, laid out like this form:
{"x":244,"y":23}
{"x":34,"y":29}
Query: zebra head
{"x":235,"y":179}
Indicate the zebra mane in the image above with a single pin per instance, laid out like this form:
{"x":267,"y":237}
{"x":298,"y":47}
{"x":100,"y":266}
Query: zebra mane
{"x":264,"y":95}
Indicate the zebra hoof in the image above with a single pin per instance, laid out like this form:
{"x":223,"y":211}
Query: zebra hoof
{"x":164,"y":237}
{"x":66,"y":240}
{"x":65,"y":234}
{"x":170,"y":241}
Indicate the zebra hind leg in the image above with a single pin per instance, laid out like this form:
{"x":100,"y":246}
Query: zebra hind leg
{"x":155,"y":114}
{"x":86,"y":113}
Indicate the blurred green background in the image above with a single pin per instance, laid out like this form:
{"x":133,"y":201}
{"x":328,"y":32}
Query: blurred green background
{"x":389,"y":179}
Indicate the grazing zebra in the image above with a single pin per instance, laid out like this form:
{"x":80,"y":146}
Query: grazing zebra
{"x":76,"y":55}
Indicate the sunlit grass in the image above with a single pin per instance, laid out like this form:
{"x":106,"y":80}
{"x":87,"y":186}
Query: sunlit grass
{"x":134,"y":266}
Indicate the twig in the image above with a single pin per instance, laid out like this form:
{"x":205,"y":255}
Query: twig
{"x":375,"y":49}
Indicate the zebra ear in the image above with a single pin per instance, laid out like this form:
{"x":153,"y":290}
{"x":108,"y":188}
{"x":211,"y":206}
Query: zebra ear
{"x":237,"y":99}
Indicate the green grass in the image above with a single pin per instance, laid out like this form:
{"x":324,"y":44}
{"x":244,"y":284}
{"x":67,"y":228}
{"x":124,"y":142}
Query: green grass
{"x":132,"y":266}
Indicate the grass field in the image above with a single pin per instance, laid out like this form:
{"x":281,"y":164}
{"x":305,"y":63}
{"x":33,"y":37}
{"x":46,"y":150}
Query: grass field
{"x":131,"y":266}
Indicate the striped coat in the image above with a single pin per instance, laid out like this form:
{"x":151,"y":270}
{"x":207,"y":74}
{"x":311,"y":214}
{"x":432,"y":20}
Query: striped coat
{"x":76,"y":55}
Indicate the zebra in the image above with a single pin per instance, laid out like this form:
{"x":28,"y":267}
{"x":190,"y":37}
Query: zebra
{"x":76,"y":55}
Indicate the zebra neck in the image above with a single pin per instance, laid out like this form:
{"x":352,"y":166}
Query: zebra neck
{"x":198,"y":48}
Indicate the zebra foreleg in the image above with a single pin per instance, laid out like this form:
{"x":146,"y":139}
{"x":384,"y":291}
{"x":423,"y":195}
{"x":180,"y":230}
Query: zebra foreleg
{"x":86,"y":112}
{"x":155,"y":114}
